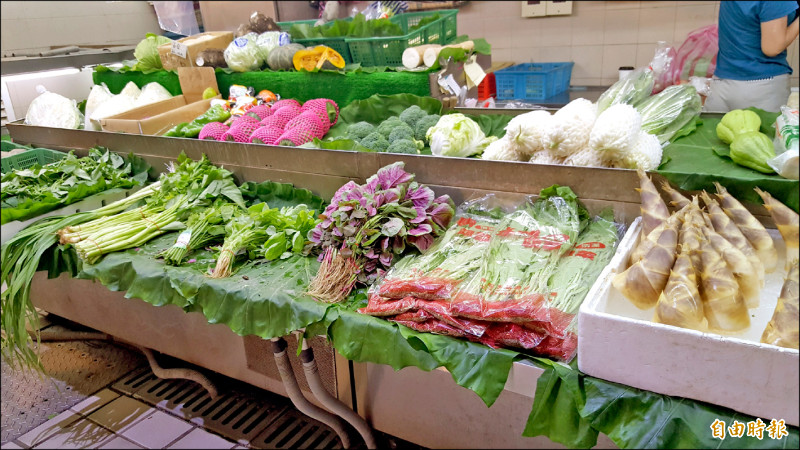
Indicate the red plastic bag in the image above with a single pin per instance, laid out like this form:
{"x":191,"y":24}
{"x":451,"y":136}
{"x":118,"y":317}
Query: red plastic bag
{"x":697,"y":56}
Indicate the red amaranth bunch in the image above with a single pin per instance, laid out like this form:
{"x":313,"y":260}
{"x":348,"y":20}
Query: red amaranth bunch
{"x":213,"y":131}
{"x":295,"y":137}
{"x":308,"y":121}
{"x":260,"y":112}
{"x":285,"y":102}
{"x":266,"y":135}
{"x":241,"y":132}
{"x":275,"y":121}
{"x":325,"y":108}
{"x":289,"y":111}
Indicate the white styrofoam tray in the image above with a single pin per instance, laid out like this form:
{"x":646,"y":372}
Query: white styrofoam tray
{"x":8,"y":230}
{"x":620,"y":343}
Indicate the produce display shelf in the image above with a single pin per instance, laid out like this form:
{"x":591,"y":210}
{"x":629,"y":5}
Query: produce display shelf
{"x":621,"y":343}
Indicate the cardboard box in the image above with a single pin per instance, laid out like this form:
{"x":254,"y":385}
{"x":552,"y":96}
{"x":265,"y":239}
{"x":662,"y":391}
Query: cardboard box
{"x":183,"y":52}
{"x":158,"y":118}
{"x":619,"y":342}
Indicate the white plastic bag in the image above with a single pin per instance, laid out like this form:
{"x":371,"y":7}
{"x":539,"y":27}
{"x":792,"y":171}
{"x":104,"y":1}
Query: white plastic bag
{"x":52,"y":110}
{"x":787,"y":161}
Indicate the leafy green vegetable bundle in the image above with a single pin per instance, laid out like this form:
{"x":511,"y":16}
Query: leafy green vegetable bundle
{"x":40,"y":189}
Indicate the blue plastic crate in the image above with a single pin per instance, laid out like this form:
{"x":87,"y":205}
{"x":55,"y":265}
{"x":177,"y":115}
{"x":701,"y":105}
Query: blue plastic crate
{"x":533,"y":81}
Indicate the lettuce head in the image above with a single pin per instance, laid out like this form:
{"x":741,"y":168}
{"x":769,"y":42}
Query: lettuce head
{"x":146,"y":52}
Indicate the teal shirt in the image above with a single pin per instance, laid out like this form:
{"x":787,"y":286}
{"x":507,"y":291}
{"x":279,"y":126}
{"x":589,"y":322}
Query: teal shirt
{"x":740,"y":56}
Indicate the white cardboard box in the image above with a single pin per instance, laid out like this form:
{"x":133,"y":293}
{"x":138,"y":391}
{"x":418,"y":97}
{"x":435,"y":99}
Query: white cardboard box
{"x":620,"y":343}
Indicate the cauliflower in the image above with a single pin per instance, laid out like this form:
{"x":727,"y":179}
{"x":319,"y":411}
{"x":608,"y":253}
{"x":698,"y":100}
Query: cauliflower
{"x":401,"y":133}
{"x":403,"y":146}
{"x":527,"y":132}
{"x":385,"y":128}
{"x":375,"y":141}
{"x":570,"y":128}
{"x":502,"y":150}
{"x":412,"y":115}
{"x":615,"y":131}
{"x":645,"y":153}
{"x":546,"y":157}
{"x":424,"y":124}
{"x":586,"y":157}
{"x":359,"y":130}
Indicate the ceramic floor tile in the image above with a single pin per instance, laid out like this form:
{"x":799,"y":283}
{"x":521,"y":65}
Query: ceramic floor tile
{"x":157,"y":430}
{"x":81,"y":434}
{"x":121,"y":413}
{"x":47,"y":429}
{"x":199,"y":438}
{"x":10,"y":445}
{"x":120,"y":442}
{"x":94,"y":402}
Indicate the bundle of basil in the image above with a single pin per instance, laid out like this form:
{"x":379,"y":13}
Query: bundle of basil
{"x":366,"y":226}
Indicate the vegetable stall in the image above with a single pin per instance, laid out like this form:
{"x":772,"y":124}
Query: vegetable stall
{"x":428,"y":246}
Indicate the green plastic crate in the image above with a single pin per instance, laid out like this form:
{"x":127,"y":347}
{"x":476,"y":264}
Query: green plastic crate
{"x":337,"y":43}
{"x":7,"y":146}
{"x":388,"y":51}
{"x":31,"y":157}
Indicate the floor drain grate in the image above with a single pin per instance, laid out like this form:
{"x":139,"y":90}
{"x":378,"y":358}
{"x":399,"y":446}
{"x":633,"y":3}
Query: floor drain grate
{"x":246,"y":415}
{"x":296,"y":430}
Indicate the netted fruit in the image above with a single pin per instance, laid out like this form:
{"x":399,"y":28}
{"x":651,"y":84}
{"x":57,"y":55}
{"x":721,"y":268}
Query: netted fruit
{"x":243,"y":119}
{"x":308,"y":121}
{"x":213,"y":130}
{"x":266,"y":135}
{"x":260,"y":112}
{"x":289,"y":111}
{"x":326,"y":108}
{"x":241,"y":132}
{"x":275,"y":121}
{"x":295,"y":137}
{"x":284,"y":102}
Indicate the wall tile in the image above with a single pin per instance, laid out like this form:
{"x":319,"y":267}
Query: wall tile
{"x":13,"y":10}
{"x":656,"y":24}
{"x":588,"y":29}
{"x":471,"y":26}
{"x":656,"y":4}
{"x":526,"y":34}
{"x":503,"y":54}
{"x":555,"y":54}
{"x":588,"y":61}
{"x":583,"y":7}
{"x":502,"y":9}
{"x":644,"y":54}
{"x":695,"y":3}
{"x":622,"y":5}
{"x":615,"y":56}
{"x":67,"y":9}
{"x":621,"y":26}
{"x":586,"y":81}
{"x":690,"y":18}
{"x":127,"y":7}
{"x":133,"y":29}
{"x":556,"y":31}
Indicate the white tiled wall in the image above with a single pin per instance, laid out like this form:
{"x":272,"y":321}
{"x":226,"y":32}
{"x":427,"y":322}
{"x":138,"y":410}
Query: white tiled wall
{"x":36,"y":26}
{"x":599,"y":36}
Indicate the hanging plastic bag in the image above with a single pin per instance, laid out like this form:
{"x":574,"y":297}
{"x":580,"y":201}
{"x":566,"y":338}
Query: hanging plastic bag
{"x":177,"y":17}
{"x":697,"y":56}
{"x":662,"y":66}
{"x":787,"y":161}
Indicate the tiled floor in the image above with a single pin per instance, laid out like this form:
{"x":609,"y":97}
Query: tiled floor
{"x":113,"y":421}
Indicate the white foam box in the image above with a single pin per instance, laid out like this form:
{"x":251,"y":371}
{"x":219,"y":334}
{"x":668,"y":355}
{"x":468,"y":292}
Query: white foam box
{"x":619,"y":342}
{"x":8,"y":230}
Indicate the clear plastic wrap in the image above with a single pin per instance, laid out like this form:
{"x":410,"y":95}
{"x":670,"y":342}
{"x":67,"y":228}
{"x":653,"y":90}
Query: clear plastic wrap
{"x":630,"y":90}
{"x":668,"y":111}
{"x":697,"y":56}
{"x":243,"y":55}
{"x":787,"y":161}
{"x":662,"y":66}
{"x":270,"y":40}
{"x":177,"y":17}
{"x":52,"y":110}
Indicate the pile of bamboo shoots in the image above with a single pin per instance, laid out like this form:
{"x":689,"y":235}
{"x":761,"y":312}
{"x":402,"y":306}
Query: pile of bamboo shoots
{"x":703,"y":267}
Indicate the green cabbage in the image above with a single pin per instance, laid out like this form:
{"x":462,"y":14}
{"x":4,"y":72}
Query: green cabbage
{"x":457,"y":135}
{"x":146,"y":52}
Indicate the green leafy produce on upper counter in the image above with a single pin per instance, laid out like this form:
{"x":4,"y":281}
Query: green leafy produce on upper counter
{"x":753,"y":149}
{"x":736,"y":122}
{"x":192,"y":129}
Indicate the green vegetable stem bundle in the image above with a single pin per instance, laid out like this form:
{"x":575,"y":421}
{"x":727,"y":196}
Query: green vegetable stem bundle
{"x":202,"y":227}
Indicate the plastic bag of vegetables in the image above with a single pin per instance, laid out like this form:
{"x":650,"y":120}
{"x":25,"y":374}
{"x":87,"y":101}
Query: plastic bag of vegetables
{"x":631,"y":90}
{"x":668,"y":111}
{"x":243,"y":55}
{"x":457,"y":135}
{"x":52,"y":110}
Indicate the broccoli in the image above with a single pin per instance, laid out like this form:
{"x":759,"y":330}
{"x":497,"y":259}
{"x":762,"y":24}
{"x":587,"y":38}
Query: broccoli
{"x":401,"y":133}
{"x":386,"y":127}
{"x":403,"y":146}
{"x":375,"y":141}
{"x":424,"y":124}
{"x":412,"y":115}
{"x":358,"y":131}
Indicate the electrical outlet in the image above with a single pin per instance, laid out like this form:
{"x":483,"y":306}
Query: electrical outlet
{"x":558,"y":8}
{"x":534,"y":9}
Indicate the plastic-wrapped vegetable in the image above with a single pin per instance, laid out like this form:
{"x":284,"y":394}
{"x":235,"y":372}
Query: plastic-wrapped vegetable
{"x":631,"y":90}
{"x":668,"y":111}
{"x":214,"y":114}
{"x":52,"y":110}
{"x":152,"y":93}
{"x":97,"y":96}
{"x":269,"y":40}
{"x":243,"y":55}
{"x":783,"y":329}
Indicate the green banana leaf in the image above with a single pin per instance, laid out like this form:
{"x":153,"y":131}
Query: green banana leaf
{"x":697,"y":160}
{"x":572,"y":408}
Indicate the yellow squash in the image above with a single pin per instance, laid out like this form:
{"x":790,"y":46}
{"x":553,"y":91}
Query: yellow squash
{"x":319,"y":57}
